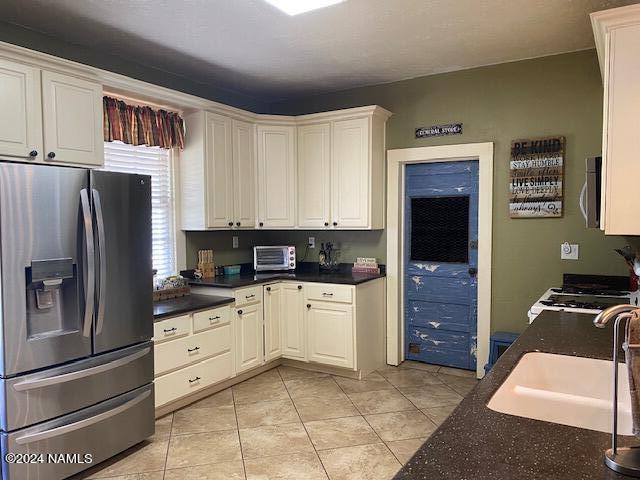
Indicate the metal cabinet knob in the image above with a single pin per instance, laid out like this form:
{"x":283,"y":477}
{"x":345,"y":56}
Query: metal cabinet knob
{"x":237,"y":224}
{"x":231,"y":224}
{"x":326,"y":224}
{"x":335,"y":224}
{"x":299,"y":287}
{"x":261,"y":224}
{"x":33,"y":153}
{"x":308,"y":305}
{"x":268,"y":289}
{"x":239,"y":312}
{"x":51,"y":154}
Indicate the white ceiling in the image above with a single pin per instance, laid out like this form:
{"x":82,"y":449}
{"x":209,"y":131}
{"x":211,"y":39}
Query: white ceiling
{"x":251,"y":47}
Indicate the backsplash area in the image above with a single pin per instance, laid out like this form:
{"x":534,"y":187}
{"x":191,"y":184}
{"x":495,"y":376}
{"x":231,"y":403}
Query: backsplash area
{"x":351,"y":244}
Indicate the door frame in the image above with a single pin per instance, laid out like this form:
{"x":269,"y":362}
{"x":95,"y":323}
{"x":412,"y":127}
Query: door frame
{"x":397,"y":160}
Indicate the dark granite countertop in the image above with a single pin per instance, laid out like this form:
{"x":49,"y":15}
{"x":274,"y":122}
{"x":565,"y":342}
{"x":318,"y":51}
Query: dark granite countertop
{"x":190,"y":303}
{"x":251,"y":278}
{"x":478,"y":443}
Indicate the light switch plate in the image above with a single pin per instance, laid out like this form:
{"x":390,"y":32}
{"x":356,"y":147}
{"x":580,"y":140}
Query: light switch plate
{"x":312,"y":242}
{"x":569,"y":251}
{"x":235,"y":242}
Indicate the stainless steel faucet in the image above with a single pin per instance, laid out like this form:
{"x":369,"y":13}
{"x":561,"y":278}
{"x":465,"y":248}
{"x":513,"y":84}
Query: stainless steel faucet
{"x":612,"y":312}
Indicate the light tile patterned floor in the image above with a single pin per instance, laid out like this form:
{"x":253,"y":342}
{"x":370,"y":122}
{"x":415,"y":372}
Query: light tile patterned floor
{"x":289,"y":423}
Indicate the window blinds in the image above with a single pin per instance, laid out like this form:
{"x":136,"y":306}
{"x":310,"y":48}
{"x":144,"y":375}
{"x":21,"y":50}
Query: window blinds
{"x":154,"y":161}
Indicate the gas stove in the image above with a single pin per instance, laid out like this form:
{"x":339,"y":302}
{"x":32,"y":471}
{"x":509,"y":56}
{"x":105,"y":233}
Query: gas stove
{"x":583,"y":294}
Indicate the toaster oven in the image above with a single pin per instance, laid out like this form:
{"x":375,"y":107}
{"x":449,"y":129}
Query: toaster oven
{"x":274,"y":258}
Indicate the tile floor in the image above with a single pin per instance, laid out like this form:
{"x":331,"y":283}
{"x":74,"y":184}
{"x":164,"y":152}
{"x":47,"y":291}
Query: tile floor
{"x":289,"y":423}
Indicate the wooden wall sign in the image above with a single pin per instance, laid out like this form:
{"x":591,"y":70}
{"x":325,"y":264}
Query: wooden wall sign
{"x":439,"y":130}
{"x":536,"y":183}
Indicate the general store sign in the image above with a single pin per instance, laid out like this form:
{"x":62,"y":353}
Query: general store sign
{"x":537,"y":175}
{"x":439,"y":130}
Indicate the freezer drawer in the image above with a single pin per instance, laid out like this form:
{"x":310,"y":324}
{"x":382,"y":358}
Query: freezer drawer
{"x":101,"y":431}
{"x":37,"y":397}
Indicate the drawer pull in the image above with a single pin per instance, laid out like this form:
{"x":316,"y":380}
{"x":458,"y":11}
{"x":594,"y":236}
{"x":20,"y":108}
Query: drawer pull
{"x":325,"y":294}
{"x":194,"y":380}
{"x":214,"y":319}
{"x":195,"y":349}
{"x":249,"y":296}
{"x":170,"y":330}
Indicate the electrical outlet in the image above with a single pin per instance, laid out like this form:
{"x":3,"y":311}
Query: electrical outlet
{"x":569,"y":251}
{"x":235,"y":242}
{"x":312,"y":242}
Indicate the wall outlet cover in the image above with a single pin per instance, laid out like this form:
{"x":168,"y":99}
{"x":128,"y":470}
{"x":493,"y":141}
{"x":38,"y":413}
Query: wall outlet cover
{"x":312,"y":242}
{"x":569,"y":251}
{"x":235,"y":242}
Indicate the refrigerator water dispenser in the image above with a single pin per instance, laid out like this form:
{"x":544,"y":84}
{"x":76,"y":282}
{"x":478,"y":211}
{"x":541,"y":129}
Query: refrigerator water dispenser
{"x":51,"y":284}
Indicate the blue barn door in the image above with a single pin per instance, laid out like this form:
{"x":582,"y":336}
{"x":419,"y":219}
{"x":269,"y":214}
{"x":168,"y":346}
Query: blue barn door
{"x":441,"y":261}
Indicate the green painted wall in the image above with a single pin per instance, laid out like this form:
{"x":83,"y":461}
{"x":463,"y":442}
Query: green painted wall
{"x":557,"y":95}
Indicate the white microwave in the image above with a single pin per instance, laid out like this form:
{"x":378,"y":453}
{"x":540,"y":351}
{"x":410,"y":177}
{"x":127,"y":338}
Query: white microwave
{"x":274,"y":258}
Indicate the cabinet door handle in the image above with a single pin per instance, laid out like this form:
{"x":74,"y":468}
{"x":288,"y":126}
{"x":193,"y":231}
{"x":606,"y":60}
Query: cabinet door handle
{"x":194,"y":380}
{"x":195,"y":349}
{"x":170,"y":330}
{"x":239,"y":312}
{"x":299,"y":287}
{"x":308,"y":305}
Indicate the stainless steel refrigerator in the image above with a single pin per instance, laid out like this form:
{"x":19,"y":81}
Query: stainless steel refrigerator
{"x":76,"y":360}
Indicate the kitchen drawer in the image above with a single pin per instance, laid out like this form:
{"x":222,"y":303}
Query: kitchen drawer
{"x":171,"y":328}
{"x":329,"y":292}
{"x":181,"y":352}
{"x":188,"y":380}
{"x":246,"y":296}
{"x":211,"y":318}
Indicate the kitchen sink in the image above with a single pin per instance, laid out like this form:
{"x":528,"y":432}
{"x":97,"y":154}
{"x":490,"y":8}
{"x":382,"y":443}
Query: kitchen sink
{"x":568,"y":390}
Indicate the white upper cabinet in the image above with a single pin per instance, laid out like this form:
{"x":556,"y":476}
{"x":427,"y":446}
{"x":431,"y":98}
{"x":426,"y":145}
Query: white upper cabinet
{"x":314,"y":170}
{"x":217,"y":173}
{"x":219,"y":168}
{"x":72,"y":119}
{"x":21,"y":112}
{"x":276,"y":176}
{"x":244,"y":175}
{"x":617,"y":34}
{"x":49,"y":117}
{"x":350,"y":170}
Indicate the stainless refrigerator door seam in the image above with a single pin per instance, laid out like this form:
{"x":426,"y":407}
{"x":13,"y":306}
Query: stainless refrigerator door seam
{"x":102,"y":262}
{"x":67,"y":377}
{"x":55,"y":432}
{"x":91,"y":272}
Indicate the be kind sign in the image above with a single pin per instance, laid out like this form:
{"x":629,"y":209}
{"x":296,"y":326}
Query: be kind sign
{"x":537,"y":170}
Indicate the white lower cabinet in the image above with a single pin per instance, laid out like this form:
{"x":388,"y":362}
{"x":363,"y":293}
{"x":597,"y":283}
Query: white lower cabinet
{"x":249,"y":337}
{"x":330,"y":337}
{"x":294,"y":333}
{"x":273,"y":304}
{"x":192,"y":352}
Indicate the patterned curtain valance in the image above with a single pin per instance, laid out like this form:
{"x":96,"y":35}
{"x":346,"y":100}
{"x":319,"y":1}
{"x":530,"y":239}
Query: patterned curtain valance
{"x":141,"y":125}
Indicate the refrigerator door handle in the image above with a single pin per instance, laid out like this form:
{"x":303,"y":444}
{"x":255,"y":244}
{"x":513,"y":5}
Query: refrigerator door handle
{"x":56,"y":432}
{"x":102,"y":253}
{"x":87,"y":372}
{"x":90,"y":274}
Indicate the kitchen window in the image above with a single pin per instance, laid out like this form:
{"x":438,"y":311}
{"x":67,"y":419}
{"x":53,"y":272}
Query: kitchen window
{"x":156,"y":162}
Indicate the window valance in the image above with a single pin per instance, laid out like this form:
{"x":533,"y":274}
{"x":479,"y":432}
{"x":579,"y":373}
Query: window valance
{"x":141,"y":125}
